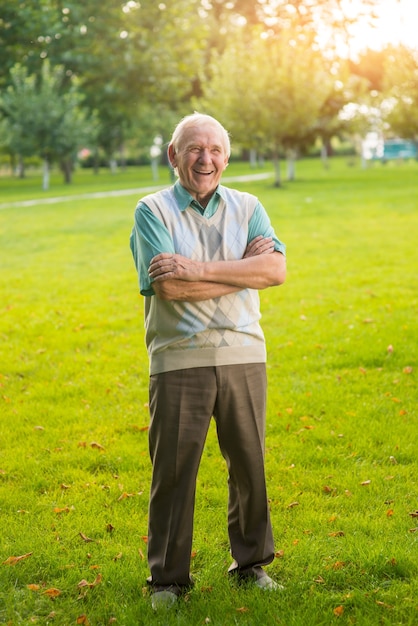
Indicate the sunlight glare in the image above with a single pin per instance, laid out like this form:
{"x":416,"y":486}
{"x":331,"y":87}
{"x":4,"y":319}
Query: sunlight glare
{"x":396,"y":24}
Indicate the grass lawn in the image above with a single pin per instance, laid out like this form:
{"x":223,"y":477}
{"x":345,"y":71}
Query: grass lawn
{"x":342,"y":432}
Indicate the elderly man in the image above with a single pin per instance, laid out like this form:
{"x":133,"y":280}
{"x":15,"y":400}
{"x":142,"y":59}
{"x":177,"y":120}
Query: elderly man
{"x":202,"y":252}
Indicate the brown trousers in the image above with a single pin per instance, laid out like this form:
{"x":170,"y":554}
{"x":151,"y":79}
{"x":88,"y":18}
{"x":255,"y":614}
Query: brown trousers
{"x":182,"y":403}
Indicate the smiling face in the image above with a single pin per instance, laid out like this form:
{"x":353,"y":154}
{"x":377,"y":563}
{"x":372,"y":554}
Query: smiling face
{"x":200,"y":159}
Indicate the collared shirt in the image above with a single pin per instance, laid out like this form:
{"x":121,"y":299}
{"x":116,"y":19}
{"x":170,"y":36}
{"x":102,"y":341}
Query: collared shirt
{"x":156,"y":238}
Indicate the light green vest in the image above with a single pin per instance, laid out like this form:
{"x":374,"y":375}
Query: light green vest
{"x":220,"y":331}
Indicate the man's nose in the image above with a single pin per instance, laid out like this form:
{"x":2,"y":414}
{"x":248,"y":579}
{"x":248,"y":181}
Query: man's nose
{"x":205,"y":156}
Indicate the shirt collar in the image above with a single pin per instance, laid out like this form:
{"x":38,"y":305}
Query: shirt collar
{"x":184,"y":199}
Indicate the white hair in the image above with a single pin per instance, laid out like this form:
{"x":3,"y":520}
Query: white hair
{"x":197,"y":119}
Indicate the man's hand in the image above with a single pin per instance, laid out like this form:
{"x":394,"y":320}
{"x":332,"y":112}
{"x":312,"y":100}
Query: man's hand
{"x":259,"y":245}
{"x":167,"y":266}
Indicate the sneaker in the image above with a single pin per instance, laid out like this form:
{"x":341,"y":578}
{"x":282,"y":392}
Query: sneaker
{"x":163,"y":600}
{"x":267,"y":583}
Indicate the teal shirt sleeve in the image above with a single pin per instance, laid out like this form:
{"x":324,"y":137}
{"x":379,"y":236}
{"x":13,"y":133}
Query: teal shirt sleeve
{"x":149,"y":237}
{"x":260,"y":225}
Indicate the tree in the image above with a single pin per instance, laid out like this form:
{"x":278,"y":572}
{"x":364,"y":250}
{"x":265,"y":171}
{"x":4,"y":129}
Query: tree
{"x":44,"y":119}
{"x":269,"y":89}
{"x":401,"y":82}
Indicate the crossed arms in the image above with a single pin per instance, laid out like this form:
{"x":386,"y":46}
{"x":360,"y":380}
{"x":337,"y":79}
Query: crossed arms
{"x":178,"y":278}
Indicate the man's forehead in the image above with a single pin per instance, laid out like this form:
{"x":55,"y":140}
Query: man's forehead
{"x":203,"y":136}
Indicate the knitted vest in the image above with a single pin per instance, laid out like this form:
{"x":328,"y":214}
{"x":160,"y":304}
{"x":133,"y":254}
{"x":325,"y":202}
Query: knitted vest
{"x":220,"y":331}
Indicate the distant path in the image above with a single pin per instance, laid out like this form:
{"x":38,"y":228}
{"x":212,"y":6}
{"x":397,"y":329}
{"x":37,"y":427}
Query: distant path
{"x":121,"y":192}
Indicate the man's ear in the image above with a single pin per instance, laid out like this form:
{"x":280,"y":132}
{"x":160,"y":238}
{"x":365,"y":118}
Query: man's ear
{"x":171,"y":153}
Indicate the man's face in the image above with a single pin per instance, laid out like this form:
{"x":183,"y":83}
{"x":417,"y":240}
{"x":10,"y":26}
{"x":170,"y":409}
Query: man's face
{"x":200,"y":160}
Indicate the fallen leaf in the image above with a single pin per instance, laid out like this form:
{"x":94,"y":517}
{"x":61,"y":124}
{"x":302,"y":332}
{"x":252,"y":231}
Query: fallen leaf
{"x":279,"y":554}
{"x":413,"y":513}
{"x":125,"y":495}
{"x":386,"y":606}
{"x":338,"y":565}
{"x":338,"y":611}
{"x":82,"y":619}
{"x":337,"y":533}
{"x":58,"y":510}
{"x":110,"y":528}
{"x":12,"y":560}
{"x":243,"y":609}
{"x":292,"y":504}
{"x":408,"y":369}
{"x":86,"y":539}
{"x":53,"y":592}
{"x":365,"y":483}
{"x":319,"y":580}
{"x":96,"y":445}
{"x":390,"y":349}
{"x":85,"y":583}
{"x":390,"y":512}
{"x":119,"y":556}
{"x":33,"y":587}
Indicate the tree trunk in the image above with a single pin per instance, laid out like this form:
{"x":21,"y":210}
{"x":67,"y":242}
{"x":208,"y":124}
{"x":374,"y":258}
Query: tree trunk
{"x":276,"y":164}
{"x":45,"y":175}
{"x":291,"y":167}
{"x":21,"y":168}
{"x":67,"y":170}
{"x":324,"y":155}
{"x":96,"y":162}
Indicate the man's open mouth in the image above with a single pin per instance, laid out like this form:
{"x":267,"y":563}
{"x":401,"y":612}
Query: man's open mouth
{"x":203,"y":173}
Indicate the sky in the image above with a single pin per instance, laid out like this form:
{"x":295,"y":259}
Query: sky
{"x":397,"y":23}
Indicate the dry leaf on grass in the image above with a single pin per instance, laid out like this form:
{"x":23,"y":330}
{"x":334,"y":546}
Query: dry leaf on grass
{"x":84,"y":583}
{"x":12,"y":560}
{"x":96,"y":445}
{"x":53,"y":592}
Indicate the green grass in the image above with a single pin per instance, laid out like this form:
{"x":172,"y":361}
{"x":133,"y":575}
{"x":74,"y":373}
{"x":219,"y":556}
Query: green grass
{"x":342,"y":411}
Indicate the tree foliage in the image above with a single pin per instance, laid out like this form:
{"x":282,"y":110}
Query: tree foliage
{"x":42,"y":118}
{"x":402,"y":88}
{"x":269,"y":69}
{"x":271,"y":90}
